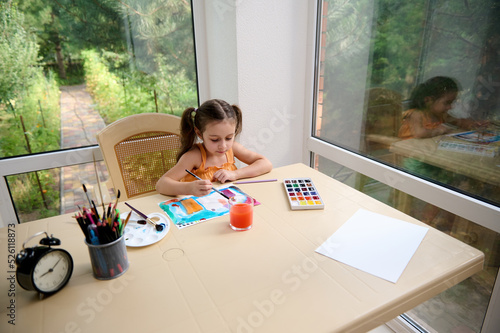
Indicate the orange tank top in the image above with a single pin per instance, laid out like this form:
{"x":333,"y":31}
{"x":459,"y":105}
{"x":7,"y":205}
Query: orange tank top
{"x":405,"y":131}
{"x":208,"y":173}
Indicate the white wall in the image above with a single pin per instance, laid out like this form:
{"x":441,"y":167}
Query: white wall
{"x":259,"y":55}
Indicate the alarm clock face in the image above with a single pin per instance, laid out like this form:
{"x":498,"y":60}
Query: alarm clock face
{"x":52,"y":271}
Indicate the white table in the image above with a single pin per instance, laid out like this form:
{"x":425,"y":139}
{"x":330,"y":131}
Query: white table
{"x":209,"y":278}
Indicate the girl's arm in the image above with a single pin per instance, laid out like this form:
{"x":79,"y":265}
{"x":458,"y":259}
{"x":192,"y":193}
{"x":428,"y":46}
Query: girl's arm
{"x":418,"y":130}
{"x":169,"y":183}
{"x":466,"y":123}
{"x":257,"y":165}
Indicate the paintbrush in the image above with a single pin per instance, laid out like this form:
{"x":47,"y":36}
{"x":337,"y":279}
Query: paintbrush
{"x":87,"y":194}
{"x":159,"y":227}
{"x":95,"y":211}
{"x":128,"y":218}
{"x":213,"y":188}
{"x":114,"y":206}
{"x":123,"y":224}
{"x":99,"y":187}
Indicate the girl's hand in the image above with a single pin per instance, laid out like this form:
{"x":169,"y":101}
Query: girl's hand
{"x":199,"y":188}
{"x":470,"y":124}
{"x":442,"y":129}
{"x":481,"y":124}
{"x":224,"y":175}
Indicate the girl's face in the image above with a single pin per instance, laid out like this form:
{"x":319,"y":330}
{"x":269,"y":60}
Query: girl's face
{"x":443,"y":104}
{"x":218,"y":136}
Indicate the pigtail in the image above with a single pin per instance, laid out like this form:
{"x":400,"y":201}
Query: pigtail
{"x":417,"y":98}
{"x":239,"y":119}
{"x":188,"y":134}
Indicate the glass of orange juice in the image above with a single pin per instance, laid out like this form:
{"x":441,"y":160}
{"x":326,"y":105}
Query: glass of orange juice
{"x":241,"y":212}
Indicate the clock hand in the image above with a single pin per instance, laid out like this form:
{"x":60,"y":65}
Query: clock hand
{"x":47,"y":272}
{"x":51,"y":269}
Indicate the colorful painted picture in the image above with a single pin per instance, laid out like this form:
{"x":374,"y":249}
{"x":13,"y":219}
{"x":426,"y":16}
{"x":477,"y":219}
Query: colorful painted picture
{"x":469,"y":148}
{"x":478,"y":136}
{"x":188,"y":211}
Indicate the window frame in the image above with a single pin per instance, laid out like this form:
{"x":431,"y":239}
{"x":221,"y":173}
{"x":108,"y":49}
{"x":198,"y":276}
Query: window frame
{"x":36,"y":162}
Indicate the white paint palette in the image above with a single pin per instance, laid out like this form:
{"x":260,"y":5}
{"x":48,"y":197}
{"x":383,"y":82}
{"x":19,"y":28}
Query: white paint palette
{"x":302,"y":194}
{"x":137,"y":235}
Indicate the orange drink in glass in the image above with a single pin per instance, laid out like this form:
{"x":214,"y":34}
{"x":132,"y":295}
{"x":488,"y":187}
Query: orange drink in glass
{"x":241,"y":212}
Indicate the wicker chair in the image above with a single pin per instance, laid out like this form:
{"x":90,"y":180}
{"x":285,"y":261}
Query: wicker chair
{"x":138,"y":150}
{"x":382,"y":119}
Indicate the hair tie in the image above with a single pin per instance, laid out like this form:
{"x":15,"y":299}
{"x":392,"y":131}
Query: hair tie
{"x":193,"y":114}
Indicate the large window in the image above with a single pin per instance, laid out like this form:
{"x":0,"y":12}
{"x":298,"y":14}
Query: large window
{"x":68,"y":68}
{"x":377,"y":59}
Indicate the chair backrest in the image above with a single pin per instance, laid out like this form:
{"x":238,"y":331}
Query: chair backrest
{"x":138,"y":150}
{"x":383,"y":112}
{"x":382,"y":119}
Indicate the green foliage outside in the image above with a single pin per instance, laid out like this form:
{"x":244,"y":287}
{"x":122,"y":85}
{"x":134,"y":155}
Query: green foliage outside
{"x":33,"y":203}
{"x":39,"y":108}
{"x":119,"y":92}
{"x":154,"y":71}
{"x":18,"y":53}
{"x":29,"y":113}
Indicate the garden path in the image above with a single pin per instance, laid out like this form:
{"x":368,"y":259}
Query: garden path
{"x":80,"y":123}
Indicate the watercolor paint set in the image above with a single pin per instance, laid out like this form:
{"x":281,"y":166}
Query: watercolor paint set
{"x":302,"y":194}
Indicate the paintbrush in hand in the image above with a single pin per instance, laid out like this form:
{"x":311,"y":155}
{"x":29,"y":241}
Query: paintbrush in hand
{"x":213,"y":188}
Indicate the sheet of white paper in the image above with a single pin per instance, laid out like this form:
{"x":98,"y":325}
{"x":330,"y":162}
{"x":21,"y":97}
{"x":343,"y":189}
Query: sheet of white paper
{"x":374,"y":243}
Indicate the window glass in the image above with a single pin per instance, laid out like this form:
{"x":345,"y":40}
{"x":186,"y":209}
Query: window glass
{"x":113,"y":57}
{"x":71,"y":67}
{"x":398,"y":82}
{"x":378,"y":60}
{"x":58,"y":191}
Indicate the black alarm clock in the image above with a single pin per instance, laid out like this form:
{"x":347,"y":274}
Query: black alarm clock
{"x":43,"y":268}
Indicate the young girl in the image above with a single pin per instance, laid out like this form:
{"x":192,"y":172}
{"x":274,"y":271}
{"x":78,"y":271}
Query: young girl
{"x":216,"y":124}
{"x":428,"y":115}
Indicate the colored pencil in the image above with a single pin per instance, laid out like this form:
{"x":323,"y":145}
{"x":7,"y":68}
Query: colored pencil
{"x":256,"y":181}
{"x":105,"y":229}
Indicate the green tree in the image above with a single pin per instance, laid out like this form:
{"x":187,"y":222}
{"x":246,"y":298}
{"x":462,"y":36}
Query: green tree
{"x":160,"y":43}
{"x":155,"y":36}
{"x":65,"y":27}
{"x":18,"y":52}
{"x":160,"y":28}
